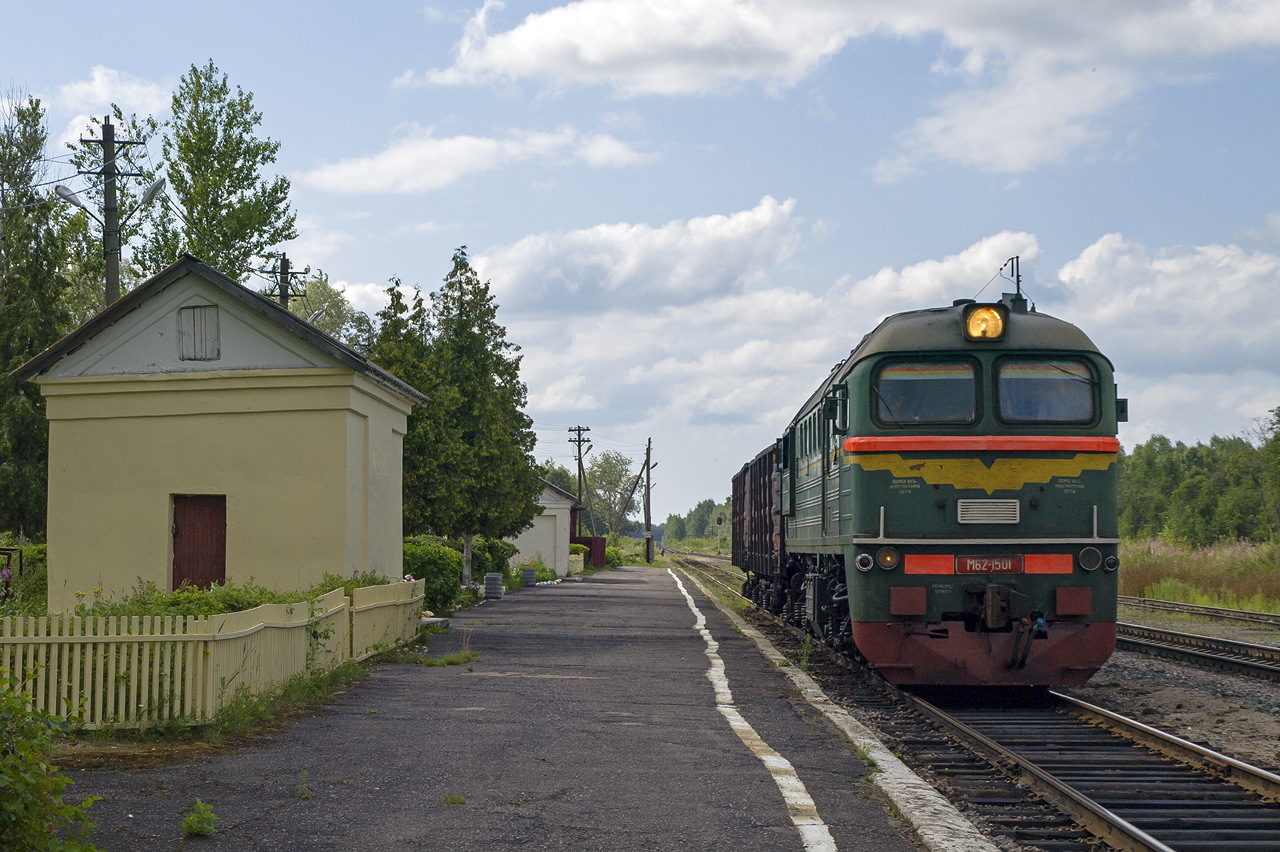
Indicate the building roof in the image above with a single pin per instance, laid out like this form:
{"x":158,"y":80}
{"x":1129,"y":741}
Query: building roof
{"x":268,"y":308}
{"x":571,"y":497}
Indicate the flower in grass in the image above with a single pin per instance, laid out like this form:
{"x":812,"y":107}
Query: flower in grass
{"x":408,"y":578}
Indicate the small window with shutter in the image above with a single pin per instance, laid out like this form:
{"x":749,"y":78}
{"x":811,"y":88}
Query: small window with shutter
{"x":198,"y":333}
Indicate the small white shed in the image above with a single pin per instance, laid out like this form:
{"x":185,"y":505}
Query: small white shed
{"x":549,"y":534}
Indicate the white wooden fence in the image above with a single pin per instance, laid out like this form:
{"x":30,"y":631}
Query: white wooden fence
{"x":141,"y":671}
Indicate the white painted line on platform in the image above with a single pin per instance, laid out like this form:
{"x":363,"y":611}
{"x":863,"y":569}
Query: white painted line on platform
{"x":938,"y":823}
{"x":804,"y":813}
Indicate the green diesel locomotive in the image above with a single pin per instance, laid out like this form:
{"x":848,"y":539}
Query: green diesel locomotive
{"x":944,"y":504}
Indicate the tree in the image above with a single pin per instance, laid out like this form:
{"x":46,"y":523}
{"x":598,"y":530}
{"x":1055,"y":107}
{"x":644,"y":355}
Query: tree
{"x":433,"y":449}
{"x":33,"y":252}
{"x":230,"y":212}
{"x":699,"y":517}
{"x":674,"y":528}
{"x":559,"y":476}
{"x":469,"y":467}
{"x":612,"y":486}
{"x":340,"y":320}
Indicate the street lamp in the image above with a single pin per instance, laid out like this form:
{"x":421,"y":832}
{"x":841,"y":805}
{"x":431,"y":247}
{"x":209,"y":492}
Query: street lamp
{"x":111,"y":230}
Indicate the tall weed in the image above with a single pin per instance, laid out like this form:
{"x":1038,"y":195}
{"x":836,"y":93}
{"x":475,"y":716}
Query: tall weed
{"x":1236,"y":575}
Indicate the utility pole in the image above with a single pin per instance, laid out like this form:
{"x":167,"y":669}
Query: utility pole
{"x":110,"y":208}
{"x":648,"y":486}
{"x":579,"y":441}
{"x":284,"y":276}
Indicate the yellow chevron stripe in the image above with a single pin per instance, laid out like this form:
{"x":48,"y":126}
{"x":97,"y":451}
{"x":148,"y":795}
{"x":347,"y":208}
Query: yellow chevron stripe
{"x":1003,"y":475}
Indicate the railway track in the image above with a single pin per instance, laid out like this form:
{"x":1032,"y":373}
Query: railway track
{"x":1055,"y":773}
{"x":1224,"y":654}
{"x":1245,"y":615}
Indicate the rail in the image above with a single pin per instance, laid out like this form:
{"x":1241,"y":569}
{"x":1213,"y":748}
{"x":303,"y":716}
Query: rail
{"x":1158,"y":798}
{"x":1243,"y":657}
{"x":1247,"y":615}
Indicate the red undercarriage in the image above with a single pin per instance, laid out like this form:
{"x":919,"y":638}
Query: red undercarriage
{"x":910,"y":653}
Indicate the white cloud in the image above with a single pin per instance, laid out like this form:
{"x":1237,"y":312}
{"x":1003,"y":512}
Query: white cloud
{"x":104,"y":87}
{"x":370,"y":296}
{"x":680,"y":261}
{"x":603,"y":151}
{"x":685,"y":329}
{"x":1177,"y":310}
{"x":1266,"y":235}
{"x":1035,"y":80}
{"x":567,"y":394}
{"x":1032,"y":117}
{"x":650,"y":46}
{"x":317,"y":241}
{"x":421,"y":161}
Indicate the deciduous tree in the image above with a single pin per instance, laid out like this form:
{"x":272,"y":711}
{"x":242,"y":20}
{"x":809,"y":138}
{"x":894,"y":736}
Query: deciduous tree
{"x":229,"y":210}
{"x":612,"y":487}
{"x":33,"y":252}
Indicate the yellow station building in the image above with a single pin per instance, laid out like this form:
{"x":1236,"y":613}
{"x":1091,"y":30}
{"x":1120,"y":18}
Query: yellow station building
{"x":199,"y":432}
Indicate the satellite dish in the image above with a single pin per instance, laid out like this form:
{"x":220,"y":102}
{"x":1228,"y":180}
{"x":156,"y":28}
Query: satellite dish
{"x":316,"y":317}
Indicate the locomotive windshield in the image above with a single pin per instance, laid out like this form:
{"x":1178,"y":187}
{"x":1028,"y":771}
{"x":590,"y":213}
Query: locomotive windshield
{"x":926,"y":392}
{"x":1058,"y":391}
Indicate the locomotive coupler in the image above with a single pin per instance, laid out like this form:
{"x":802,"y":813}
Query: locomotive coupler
{"x":1029,"y":628}
{"x":1001,"y":605}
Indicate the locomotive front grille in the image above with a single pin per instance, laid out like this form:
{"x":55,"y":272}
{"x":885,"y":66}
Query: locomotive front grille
{"x":989,"y":511}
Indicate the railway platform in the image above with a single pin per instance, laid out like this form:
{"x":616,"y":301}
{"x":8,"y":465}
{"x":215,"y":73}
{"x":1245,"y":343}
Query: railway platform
{"x":602,"y":714}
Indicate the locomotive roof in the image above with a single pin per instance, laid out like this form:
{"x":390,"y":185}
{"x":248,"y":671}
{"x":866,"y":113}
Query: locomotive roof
{"x":941,"y":330}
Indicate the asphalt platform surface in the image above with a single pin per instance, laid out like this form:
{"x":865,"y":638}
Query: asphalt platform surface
{"x":589,"y":723}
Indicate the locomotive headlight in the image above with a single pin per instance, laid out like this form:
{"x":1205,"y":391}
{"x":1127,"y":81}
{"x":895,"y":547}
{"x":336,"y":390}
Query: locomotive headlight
{"x":887,"y":558}
{"x":1111,"y":563}
{"x":864,"y":562}
{"x":1090,"y":558}
{"x":984,"y":322}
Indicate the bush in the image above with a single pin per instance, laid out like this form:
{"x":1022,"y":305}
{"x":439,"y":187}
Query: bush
{"x":436,"y":561}
{"x":329,"y":582}
{"x":579,"y":549}
{"x":33,"y":813}
{"x":612,"y":557}
{"x":148,"y":599}
{"x":28,"y":592}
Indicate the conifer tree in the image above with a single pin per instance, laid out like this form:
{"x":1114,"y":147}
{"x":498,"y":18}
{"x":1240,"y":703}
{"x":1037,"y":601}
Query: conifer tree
{"x":492,"y":487}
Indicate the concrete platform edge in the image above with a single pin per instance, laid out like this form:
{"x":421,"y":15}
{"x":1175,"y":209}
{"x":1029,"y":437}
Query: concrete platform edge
{"x":940,"y":826}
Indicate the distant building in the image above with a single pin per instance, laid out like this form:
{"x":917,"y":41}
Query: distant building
{"x":200,"y":433}
{"x":550,"y":532}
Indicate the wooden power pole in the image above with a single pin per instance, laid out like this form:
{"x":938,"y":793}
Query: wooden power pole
{"x":648,"y":486}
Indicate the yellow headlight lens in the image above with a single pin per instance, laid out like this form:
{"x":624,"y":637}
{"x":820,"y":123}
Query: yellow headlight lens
{"x":984,"y":324}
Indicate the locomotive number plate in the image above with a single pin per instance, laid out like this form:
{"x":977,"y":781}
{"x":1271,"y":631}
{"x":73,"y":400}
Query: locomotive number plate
{"x":988,"y":564}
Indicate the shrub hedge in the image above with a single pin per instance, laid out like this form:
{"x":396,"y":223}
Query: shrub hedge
{"x":427,"y":557}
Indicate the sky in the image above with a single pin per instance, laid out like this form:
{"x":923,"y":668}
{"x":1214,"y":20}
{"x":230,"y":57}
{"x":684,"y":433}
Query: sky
{"x":689,"y":211}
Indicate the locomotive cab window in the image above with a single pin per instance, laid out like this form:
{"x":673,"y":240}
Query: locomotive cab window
{"x":923,"y":392}
{"x":1046,"y":391}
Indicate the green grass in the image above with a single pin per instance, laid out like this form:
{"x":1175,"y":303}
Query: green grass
{"x":1235,"y":575}
{"x":457,"y":658}
{"x":454,"y":799}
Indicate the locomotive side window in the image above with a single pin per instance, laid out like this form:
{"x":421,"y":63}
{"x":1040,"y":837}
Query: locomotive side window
{"x":1041,"y":391}
{"x":923,"y":392}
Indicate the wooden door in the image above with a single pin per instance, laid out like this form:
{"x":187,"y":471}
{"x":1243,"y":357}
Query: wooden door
{"x":199,"y":540}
